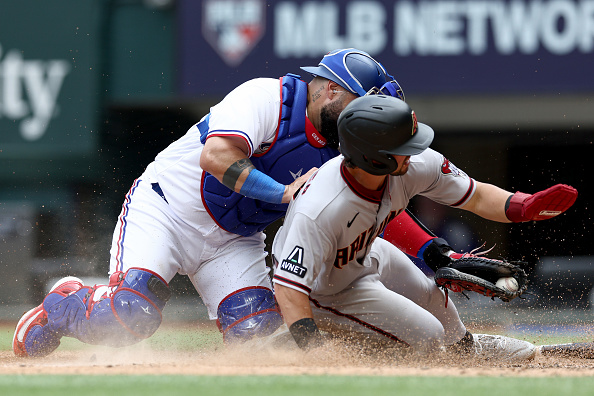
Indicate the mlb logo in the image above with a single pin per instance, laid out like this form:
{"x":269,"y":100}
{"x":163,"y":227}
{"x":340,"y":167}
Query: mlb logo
{"x":233,"y":27}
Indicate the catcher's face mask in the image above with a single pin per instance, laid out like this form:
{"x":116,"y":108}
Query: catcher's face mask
{"x":391,"y":88}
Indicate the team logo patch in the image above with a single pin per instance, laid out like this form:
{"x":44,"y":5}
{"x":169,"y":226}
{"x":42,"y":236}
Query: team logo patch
{"x":296,"y":175}
{"x":447,"y":168}
{"x":294,"y":263}
{"x":415,"y":125}
{"x":233,"y":27}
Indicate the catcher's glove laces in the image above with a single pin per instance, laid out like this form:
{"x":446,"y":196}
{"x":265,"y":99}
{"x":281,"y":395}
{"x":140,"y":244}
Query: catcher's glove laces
{"x":475,"y":253}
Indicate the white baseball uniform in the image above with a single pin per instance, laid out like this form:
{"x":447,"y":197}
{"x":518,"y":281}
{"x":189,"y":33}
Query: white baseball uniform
{"x":328,"y":249}
{"x":171,"y":232}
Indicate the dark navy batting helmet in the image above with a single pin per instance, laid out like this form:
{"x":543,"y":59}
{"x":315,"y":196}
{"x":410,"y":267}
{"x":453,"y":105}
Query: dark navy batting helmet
{"x":373,"y":128}
{"x":357,"y":72}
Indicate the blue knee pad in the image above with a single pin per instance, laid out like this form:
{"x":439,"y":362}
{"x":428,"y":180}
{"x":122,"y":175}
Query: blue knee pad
{"x":248,"y":313}
{"x":129,"y":314}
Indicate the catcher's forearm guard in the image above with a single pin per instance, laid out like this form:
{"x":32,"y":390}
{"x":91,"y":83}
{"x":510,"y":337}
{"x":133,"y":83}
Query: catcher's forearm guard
{"x":479,"y":274}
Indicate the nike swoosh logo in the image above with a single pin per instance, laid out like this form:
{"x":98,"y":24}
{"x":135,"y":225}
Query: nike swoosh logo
{"x":350,"y":223}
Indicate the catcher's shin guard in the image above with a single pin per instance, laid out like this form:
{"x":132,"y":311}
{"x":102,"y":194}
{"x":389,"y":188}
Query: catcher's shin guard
{"x":33,"y":337}
{"x":122,"y":313}
{"x":248,"y":313}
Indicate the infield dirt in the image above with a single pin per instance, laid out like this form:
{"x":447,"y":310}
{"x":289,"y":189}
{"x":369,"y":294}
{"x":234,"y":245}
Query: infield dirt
{"x":329,"y":360}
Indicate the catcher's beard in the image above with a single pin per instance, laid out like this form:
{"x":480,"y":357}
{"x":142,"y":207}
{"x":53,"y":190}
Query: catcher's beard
{"x":329,"y":117}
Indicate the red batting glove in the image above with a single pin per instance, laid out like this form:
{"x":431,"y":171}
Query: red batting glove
{"x":540,"y":206}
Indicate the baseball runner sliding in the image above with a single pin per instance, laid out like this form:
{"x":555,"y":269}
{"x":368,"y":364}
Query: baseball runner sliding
{"x":333,"y":272}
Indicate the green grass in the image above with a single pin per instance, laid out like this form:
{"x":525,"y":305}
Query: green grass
{"x":185,"y":338}
{"x":49,"y":385}
{"x":194,"y":338}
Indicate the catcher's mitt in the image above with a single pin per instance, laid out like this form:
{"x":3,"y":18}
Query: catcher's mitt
{"x":479,"y":274}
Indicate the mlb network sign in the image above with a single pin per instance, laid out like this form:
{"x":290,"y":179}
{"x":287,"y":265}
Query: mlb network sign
{"x":432,"y":45}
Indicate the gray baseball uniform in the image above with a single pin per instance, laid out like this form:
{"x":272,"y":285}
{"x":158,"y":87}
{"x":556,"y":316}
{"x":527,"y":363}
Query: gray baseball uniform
{"x":328,"y":248}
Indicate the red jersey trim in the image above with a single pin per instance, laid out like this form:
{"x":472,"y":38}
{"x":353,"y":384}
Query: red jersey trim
{"x":374,"y":196}
{"x":465,"y":197}
{"x":280,"y":114}
{"x":290,"y":282}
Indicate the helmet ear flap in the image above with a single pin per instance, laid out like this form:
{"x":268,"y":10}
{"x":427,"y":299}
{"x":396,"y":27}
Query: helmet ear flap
{"x":360,"y":156}
{"x":390,"y":164}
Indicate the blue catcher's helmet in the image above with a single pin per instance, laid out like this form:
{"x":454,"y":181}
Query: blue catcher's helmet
{"x":357,"y":72}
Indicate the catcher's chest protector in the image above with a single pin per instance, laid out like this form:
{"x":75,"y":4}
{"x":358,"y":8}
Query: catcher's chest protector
{"x":289,"y":157}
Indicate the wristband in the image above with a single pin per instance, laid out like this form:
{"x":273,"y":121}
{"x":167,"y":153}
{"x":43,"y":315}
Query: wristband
{"x":514,"y":207}
{"x":306,"y":333}
{"x":422,"y":249}
{"x":262,"y":187}
{"x":437,"y":254}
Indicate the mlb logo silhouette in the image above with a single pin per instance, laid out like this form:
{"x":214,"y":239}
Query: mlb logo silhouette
{"x":233,"y":27}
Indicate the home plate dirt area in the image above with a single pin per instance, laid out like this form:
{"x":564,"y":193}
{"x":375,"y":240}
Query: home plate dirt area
{"x":332,"y":359}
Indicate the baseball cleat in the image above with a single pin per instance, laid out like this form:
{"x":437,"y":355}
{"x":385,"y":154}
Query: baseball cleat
{"x":504,"y":348}
{"x":32,"y":338}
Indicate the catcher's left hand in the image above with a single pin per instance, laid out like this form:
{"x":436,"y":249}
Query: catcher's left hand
{"x":479,"y":274}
